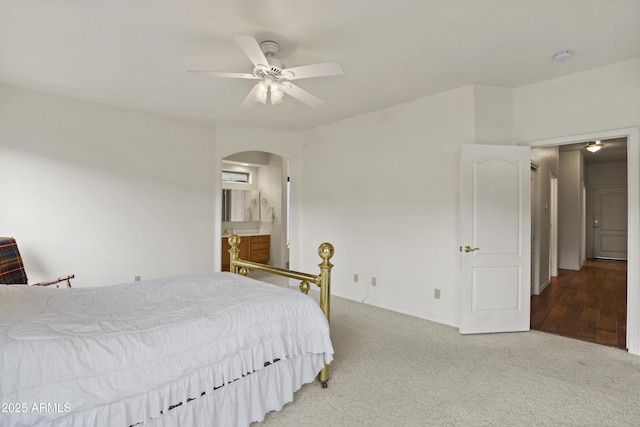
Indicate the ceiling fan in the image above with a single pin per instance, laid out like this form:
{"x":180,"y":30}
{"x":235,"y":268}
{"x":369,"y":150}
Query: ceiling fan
{"x":275,"y":79}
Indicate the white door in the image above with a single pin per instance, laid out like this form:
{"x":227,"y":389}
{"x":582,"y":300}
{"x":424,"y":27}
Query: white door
{"x":610,"y":222}
{"x":495,"y":231}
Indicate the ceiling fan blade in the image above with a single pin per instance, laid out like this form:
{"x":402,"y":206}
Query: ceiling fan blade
{"x":301,"y":94}
{"x":249,"y":101}
{"x":252,"y":49}
{"x":222,"y":74}
{"x":315,"y":70}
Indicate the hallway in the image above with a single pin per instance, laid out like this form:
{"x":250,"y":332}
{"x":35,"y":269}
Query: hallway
{"x":590,"y":304}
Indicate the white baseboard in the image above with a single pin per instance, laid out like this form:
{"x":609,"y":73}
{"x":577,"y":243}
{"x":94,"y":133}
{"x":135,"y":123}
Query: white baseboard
{"x":544,"y":285}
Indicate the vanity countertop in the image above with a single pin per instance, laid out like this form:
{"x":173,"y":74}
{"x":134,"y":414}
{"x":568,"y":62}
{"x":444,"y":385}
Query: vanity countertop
{"x":247,"y":233}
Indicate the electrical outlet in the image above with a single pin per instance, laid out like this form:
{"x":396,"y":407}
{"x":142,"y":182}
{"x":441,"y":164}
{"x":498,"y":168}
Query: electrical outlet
{"x":373,"y":281}
{"x":137,"y":278}
{"x":355,"y":277}
{"x":436,"y":293}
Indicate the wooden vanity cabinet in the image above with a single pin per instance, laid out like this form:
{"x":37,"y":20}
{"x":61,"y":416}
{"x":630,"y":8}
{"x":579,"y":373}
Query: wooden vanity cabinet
{"x":252,"y":248}
{"x":260,"y":246}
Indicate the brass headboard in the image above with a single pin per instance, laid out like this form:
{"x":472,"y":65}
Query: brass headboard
{"x":322,"y":280}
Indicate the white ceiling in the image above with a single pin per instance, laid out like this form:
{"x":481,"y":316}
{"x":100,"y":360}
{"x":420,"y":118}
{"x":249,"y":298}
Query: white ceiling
{"x":134,"y":53}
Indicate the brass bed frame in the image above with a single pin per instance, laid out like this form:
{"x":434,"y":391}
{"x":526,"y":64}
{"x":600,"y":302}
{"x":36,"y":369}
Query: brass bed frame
{"x":322,"y":280}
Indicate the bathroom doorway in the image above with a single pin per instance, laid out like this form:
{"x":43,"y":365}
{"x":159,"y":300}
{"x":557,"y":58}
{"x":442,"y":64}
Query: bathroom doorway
{"x":260,"y":183}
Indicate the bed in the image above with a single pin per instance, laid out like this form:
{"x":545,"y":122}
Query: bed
{"x":198,"y":349}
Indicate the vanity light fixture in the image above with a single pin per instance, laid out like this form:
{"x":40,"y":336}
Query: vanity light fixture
{"x":272,"y":211}
{"x":594,"y":146}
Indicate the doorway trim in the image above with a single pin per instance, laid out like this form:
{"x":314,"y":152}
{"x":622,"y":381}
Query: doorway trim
{"x":553,"y":238}
{"x":535,"y":230}
{"x":633,"y":181}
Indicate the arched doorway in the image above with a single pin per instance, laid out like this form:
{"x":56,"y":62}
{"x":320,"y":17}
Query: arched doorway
{"x":255,"y":205}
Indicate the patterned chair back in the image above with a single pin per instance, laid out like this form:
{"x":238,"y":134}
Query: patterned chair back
{"x":11,"y":267}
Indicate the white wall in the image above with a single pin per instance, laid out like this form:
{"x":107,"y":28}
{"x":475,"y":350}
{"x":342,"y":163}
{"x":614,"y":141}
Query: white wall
{"x":592,"y":101}
{"x":570,"y":212}
{"x":271,"y":190}
{"x":547,"y":159}
{"x":384,"y":189}
{"x":104,"y":193}
{"x":606,"y":174}
{"x":493,"y":115}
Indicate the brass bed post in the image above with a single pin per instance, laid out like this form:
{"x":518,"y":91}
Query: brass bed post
{"x":326,"y":252}
{"x":234,"y":241}
{"x":323,"y":280}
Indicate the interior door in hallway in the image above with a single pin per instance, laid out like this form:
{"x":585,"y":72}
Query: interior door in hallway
{"x":610,"y":222}
{"x":496,"y":235}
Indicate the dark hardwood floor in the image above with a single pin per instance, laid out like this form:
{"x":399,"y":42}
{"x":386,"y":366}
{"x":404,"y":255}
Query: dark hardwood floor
{"x":590,"y":304}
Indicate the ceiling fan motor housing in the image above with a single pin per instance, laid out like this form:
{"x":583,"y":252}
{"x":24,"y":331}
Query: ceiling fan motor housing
{"x":275,"y":66}
{"x":269,"y":48}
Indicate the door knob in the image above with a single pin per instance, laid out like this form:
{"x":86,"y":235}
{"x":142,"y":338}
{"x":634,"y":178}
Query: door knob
{"x":470,"y":249}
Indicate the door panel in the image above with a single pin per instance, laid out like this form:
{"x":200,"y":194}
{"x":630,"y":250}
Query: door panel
{"x":610,"y":222}
{"x":496,"y":232}
{"x":496,"y":214}
{"x":495,"y":289}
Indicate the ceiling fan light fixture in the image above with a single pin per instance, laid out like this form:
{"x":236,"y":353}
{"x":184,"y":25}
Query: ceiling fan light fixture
{"x":261,"y":91}
{"x":276,"y":94}
{"x":594,"y":146}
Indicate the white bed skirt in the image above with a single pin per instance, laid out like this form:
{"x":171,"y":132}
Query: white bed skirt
{"x":247,"y":400}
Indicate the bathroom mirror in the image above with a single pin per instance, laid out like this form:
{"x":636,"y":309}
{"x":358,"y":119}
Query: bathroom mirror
{"x":240,"y":205}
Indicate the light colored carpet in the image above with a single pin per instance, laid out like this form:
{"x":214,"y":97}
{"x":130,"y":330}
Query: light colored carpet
{"x":396,"y":370}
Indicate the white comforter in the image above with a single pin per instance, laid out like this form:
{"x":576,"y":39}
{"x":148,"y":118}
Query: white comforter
{"x":123,"y":353}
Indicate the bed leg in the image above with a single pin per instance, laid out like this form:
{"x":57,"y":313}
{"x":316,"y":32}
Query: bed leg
{"x":323,"y":377}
